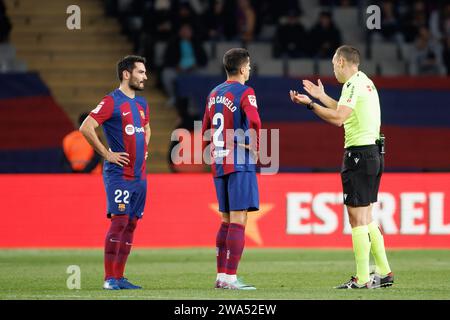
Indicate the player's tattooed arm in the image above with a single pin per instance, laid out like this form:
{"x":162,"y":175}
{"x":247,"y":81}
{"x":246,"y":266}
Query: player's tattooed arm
{"x":87,"y":128}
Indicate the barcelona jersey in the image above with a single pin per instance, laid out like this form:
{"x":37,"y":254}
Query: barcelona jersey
{"x":123,"y":120}
{"x":232,"y":119}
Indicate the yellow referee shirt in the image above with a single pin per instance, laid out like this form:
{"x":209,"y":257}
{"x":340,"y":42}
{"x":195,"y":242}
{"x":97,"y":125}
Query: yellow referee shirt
{"x":363,"y":125}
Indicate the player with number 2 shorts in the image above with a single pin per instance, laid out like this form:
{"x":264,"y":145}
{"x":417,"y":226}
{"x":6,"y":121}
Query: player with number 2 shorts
{"x":231,"y":118}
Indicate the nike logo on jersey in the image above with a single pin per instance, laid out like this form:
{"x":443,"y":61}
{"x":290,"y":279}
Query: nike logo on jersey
{"x":125,"y":113}
{"x":112,"y":240}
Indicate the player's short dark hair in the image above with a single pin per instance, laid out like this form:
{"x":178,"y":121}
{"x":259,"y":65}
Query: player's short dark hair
{"x":127,"y":63}
{"x":233,"y":59}
{"x":349,"y":53}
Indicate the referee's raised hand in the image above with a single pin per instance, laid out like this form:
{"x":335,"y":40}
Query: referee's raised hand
{"x":316,"y":91}
{"x":299,"y":98}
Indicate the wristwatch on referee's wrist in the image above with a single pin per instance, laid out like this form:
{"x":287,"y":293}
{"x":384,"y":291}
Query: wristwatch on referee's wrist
{"x":310,"y":105}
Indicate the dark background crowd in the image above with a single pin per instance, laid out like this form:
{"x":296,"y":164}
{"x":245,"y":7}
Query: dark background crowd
{"x":424,"y":24}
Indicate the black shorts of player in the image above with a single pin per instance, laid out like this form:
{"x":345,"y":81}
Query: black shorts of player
{"x":362,"y":167}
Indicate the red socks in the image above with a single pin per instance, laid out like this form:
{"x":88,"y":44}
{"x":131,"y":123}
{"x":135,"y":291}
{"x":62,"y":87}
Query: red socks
{"x":221,"y":247}
{"x":112,"y":243}
{"x":235,"y":246}
{"x":125,"y":247}
{"x":118,"y":245}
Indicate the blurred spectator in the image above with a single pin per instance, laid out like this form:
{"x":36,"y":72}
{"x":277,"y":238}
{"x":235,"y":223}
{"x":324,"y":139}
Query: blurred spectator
{"x":291,"y":37}
{"x":390,"y":26}
{"x":184,"y":53}
{"x":426,"y":55}
{"x":445,"y":21}
{"x":231,"y":19}
{"x":338,"y":3}
{"x":324,"y":37}
{"x":282,"y":8}
{"x":157,"y":27}
{"x":184,"y":14}
{"x":215,"y":20}
{"x":199,"y":7}
{"x":5,"y":24}
{"x":413,"y":20}
{"x":440,"y":30}
{"x":246,"y":20}
{"x":158,"y":21}
{"x":80,"y":157}
{"x":446,"y":54}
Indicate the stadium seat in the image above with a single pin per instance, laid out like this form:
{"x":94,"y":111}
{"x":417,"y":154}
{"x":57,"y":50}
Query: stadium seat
{"x":348,"y":22}
{"x":308,"y":20}
{"x":384,"y":51}
{"x":214,"y":68}
{"x":308,"y":6}
{"x":326,"y":68}
{"x":160,"y":48}
{"x":224,"y":46}
{"x":300,"y":67}
{"x":7,"y":51}
{"x":269,"y":68}
{"x":12,"y":65}
{"x":369,"y":67}
{"x":210,"y":49}
{"x":392,"y":68}
{"x":260,"y":50}
{"x":405,"y":49}
{"x":267,"y":33}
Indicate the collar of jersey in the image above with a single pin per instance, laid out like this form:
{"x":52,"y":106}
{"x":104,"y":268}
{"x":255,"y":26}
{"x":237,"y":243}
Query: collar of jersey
{"x":123,"y":94}
{"x":352,"y":77}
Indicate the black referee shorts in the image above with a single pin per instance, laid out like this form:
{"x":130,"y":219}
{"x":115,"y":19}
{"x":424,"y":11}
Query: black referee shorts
{"x":361,"y":172}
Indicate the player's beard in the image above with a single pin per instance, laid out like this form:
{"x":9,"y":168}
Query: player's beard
{"x":134,"y":84}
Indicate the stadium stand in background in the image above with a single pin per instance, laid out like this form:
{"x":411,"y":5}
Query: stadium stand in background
{"x":72,"y":70}
{"x":288,"y":40}
{"x":8,"y":59}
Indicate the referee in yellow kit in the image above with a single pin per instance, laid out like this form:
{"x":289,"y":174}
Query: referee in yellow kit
{"x":358,"y":109}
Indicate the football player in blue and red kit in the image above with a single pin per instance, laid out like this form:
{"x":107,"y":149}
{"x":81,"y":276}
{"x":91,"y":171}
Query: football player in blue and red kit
{"x":125,"y":120}
{"x":232,"y":122}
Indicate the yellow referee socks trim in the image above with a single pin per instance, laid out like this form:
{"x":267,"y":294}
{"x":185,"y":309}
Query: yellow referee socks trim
{"x":377,"y":248}
{"x":361,"y":248}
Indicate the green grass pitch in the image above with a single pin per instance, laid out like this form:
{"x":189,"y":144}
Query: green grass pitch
{"x":190,"y":274}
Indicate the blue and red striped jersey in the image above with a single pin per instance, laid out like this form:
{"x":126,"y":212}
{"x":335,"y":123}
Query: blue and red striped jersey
{"x":123,"y":120}
{"x":231,"y":109}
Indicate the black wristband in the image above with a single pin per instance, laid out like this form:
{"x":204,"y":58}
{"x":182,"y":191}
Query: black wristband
{"x":310,"y":105}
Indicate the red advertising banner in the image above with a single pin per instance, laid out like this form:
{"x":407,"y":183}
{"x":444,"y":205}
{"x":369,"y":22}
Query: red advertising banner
{"x":297,"y":210}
